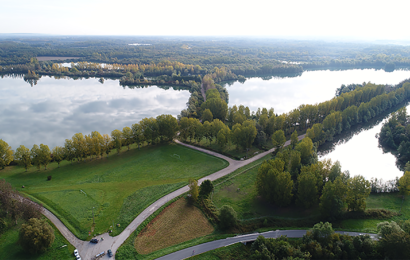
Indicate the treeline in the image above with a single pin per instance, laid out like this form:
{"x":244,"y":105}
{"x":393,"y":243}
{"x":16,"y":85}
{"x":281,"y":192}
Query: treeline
{"x":395,"y":135}
{"x":322,"y":242}
{"x":371,"y":106}
{"x":163,"y":128}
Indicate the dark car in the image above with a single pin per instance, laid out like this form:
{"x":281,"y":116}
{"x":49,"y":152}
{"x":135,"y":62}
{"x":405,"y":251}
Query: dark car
{"x":94,"y":240}
{"x":109,"y":252}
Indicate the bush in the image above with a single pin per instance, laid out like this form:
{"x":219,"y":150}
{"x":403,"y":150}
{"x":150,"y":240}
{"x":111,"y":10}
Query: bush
{"x":227,"y":217}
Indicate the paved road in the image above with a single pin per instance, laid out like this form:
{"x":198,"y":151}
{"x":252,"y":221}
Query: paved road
{"x":202,"y":248}
{"x":87,"y":250}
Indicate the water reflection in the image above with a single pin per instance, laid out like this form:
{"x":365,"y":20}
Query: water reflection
{"x":358,"y":151}
{"x":287,"y":93}
{"x":54,"y":110}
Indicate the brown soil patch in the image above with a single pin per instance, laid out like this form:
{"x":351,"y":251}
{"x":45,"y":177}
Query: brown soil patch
{"x":177,"y":223}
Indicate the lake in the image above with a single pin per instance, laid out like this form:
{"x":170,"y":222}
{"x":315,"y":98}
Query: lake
{"x":56,"y":109}
{"x":287,"y":93}
{"x":358,"y":151}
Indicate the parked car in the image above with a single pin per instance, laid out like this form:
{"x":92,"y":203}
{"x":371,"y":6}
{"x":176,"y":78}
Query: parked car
{"x":94,"y":240}
{"x":76,"y":252}
{"x":109,"y":252}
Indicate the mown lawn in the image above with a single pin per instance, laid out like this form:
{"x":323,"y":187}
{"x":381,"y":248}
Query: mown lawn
{"x":116,"y":188}
{"x":178,"y":223}
{"x":10,"y":250}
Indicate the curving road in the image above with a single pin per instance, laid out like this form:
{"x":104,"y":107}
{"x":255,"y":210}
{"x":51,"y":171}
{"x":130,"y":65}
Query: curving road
{"x":202,"y":248}
{"x":87,"y":250}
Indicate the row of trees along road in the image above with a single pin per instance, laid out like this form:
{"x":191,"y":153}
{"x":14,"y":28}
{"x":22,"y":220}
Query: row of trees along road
{"x":163,"y":128}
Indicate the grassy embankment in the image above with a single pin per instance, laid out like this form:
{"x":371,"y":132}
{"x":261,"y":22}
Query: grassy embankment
{"x":10,"y":250}
{"x":117,"y":188}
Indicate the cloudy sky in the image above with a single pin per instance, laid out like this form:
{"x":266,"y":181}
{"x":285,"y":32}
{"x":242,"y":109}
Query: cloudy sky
{"x":353,"y":19}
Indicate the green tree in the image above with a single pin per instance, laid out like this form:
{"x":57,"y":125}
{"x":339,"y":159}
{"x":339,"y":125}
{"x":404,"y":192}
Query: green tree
{"x":58,"y":154}
{"x":282,"y":192}
{"x":6,"y":154}
{"x":167,"y":127}
{"x":80,"y":146}
{"x":227,"y":217}
{"x":206,"y":188}
{"x":278,"y":139}
{"x":332,"y":199}
{"x":305,"y":147}
{"x":307,"y":189}
{"x":193,"y":189}
{"x":358,"y":189}
{"x":137,"y":134}
{"x":294,"y":139}
{"x":149,"y":128}
{"x":404,"y":184}
{"x":107,"y":143}
{"x":45,"y":155}
{"x":127,"y":136}
{"x":116,"y":137}
{"x":207,"y":115}
{"x":218,"y":108}
{"x":23,"y":157}
{"x":322,"y":231}
{"x":69,"y":150}
{"x":35,"y":154}
{"x":36,"y":236}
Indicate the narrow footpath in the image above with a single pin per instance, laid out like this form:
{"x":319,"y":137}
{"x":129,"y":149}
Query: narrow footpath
{"x":88,"y":250}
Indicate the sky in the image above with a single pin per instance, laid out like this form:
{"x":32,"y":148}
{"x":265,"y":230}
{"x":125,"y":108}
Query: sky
{"x":359,"y":19}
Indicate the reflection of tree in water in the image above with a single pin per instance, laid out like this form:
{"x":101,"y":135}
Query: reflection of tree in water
{"x":162,"y":87}
{"x":32,"y":82}
{"x":346,"y":135}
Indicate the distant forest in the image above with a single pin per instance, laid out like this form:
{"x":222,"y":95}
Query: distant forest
{"x":242,"y":56}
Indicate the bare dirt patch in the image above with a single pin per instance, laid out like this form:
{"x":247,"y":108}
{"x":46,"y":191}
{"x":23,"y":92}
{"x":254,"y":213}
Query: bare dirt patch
{"x":177,"y":223}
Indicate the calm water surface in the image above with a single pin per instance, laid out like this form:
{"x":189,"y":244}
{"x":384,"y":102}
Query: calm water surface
{"x":54,"y":110}
{"x":285,"y":94}
{"x":358,"y":152}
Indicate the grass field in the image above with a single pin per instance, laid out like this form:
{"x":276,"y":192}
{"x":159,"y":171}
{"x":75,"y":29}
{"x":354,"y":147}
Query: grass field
{"x":116,"y":188}
{"x":10,"y":250}
{"x":177,"y":223}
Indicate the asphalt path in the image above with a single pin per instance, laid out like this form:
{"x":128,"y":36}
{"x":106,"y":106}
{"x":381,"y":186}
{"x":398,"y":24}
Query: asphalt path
{"x":88,"y":250}
{"x":202,"y":248}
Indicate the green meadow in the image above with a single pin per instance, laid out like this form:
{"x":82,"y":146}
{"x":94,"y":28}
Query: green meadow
{"x":116,"y":188}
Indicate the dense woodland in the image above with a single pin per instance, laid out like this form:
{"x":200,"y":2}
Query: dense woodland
{"x":241,"y":56}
